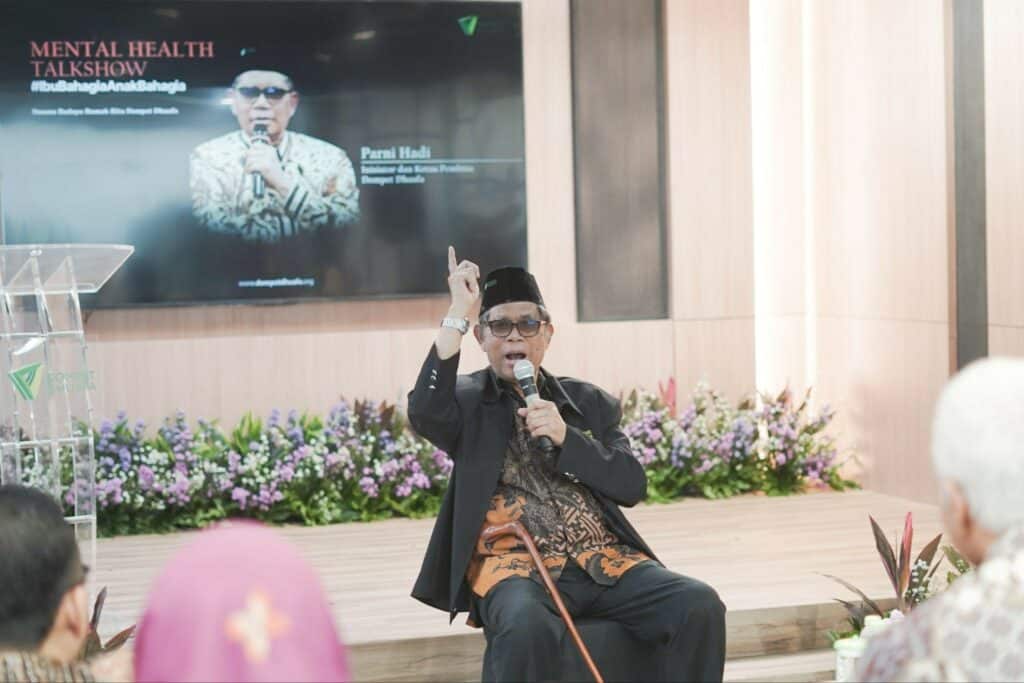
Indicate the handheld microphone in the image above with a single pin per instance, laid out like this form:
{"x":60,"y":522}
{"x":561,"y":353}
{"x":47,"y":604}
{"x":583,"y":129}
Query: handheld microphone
{"x":259,"y":185}
{"x":523,"y":370}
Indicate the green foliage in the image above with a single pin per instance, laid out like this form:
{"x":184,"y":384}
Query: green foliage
{"x":959,"y":563}
{"x":362,"y":462}
{"x":912,"y":582}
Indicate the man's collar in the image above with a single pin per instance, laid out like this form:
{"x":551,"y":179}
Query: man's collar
{"x":547,"y":384}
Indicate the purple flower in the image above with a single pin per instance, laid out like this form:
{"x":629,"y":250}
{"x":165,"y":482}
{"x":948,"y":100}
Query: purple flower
{"x":369,"y":487}
{"x":109,"y":492}
{"x":240,"y":496}
{"x":442,"y":462}
{"x":178,"y":492}
{"x":146,"y":477}
{"x":389,"y":470}
{"x":267,"y":496}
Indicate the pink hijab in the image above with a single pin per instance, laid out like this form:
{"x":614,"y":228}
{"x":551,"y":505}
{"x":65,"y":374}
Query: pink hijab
{"x":238,"y":604}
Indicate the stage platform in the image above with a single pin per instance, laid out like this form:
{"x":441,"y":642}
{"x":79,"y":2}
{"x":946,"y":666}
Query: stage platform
{"x":765,"y":556}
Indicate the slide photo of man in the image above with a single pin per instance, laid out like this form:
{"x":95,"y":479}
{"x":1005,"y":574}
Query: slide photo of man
{"x":264,"y":182}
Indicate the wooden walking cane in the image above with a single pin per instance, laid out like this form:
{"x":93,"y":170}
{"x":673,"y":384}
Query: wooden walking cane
{"x":519,"y":531}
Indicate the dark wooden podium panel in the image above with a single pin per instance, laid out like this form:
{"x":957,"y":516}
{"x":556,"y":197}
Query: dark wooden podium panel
{"x":621,"y":269}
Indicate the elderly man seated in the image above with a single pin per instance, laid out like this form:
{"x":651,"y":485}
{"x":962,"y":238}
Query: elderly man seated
{"x":975,"y":630}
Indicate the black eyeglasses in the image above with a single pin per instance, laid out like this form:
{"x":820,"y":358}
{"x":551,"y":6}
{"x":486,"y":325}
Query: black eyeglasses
{"x":253,"y":93}
{"x":528,"y":327}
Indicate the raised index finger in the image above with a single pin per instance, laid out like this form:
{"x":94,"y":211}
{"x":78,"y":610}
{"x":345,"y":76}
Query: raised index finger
{"x":452,"y":264}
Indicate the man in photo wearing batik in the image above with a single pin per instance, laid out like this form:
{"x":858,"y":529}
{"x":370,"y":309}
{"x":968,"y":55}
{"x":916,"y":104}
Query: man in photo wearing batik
{"x":264,"y":182}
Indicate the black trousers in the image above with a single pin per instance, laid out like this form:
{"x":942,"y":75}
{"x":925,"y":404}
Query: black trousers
{"x":679,"y":621}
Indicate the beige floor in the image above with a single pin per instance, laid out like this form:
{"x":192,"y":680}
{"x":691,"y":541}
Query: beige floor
{"x":758,"y":552}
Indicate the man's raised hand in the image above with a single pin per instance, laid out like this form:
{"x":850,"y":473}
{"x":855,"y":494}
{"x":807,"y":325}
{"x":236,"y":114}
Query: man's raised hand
{"x":464,"y":285}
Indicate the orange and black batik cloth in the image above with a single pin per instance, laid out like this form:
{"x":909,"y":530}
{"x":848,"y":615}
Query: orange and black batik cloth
{"x":563,"y":517}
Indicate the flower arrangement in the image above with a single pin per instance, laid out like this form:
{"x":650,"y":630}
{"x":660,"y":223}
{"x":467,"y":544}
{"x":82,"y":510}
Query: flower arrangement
{"x":362,"y":462}
{"x":715,"y":449}
{"x":912,"y":582}
{"x":795,"y":446}
{"x":359,"y":464}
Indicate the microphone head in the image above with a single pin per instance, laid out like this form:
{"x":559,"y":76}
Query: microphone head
{"x":523,"y":369}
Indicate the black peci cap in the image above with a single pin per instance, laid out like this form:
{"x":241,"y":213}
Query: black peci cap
{"x":507,"y":284}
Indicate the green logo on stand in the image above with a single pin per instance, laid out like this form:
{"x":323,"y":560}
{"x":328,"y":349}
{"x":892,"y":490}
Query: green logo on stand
{"x":27,"y":380}
{"x":468,"y":24}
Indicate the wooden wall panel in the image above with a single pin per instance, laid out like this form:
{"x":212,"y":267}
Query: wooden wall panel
{"x":782,"y":353}
{"x":1004,"y":157}
{"x":1005,"y":341}
{"x":617,"y":356}
{"x":777,"y":156}
{"x":881,"y":229}
{"x":707,"y":84}
{"x":621,"y":260}
{"x":547,"y":74}
{"x":707,"y":95}
{"x":719,"y":352}
{"x":884,"y":377}
{"x":880,"y":212}
{"x":781,"y":269}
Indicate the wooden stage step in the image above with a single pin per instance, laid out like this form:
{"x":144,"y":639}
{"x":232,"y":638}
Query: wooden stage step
{"x":765,"y":642}
{"x":765,"y":556}
{"x":804,"y":667}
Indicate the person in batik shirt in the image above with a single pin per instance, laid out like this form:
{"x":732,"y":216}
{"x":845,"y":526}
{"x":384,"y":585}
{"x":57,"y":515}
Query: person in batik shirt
{"x":974,"y":631}
{"x":566,"y":494}
{"x":307,"y":184}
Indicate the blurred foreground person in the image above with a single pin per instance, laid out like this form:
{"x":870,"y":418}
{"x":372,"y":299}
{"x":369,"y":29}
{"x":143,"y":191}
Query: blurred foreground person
{"x":975,"y":630}
{"x":44,"y":606}
{"x":238,"y":604}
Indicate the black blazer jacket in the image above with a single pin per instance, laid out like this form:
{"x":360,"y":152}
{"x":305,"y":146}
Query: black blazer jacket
{"x":471,"y":418}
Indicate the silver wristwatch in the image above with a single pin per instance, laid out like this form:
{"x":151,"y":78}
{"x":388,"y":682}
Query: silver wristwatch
{"x":460,"y":324}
